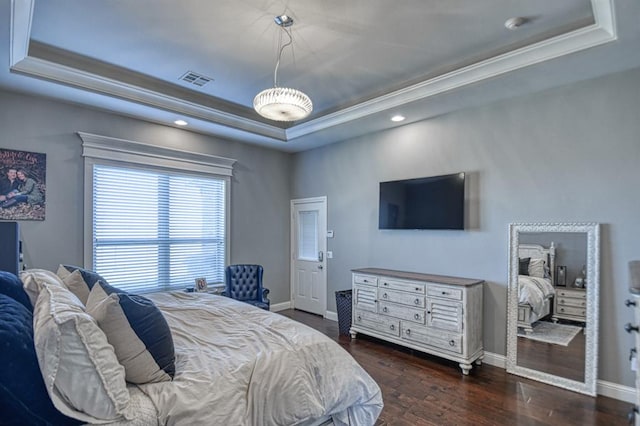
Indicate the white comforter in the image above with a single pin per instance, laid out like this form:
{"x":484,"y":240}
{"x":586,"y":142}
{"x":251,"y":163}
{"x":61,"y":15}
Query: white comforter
{"x":240,"y":365}
{"x":534,"y":291}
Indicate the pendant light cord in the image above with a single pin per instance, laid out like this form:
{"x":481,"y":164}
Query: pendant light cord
{"x":281,"y":47}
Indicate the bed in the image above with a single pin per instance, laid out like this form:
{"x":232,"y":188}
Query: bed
{"x":536,"y":285}
{"x":235,"y":364}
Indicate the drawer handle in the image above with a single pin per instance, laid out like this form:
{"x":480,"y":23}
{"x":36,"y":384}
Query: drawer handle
{"x":428,"y":312}
{"x":408,"y":331}
{"x":365,"y":281}
{"x":417,"y":316}
{"x":384,"y":309}
{"x":417,"y":301}
{"x":445,"y":293}
{"x":359,"y":318}
{"x":583,"y":303}
{"x":392,"y":327}
{"x":418,"y":288}
{"x":385,"y":283}
{"x":629,"y":328}
{"x":629,"y":303}
{"x":561,"y":301}
{"x":561,"y":309}
{"x":452,"y":342}
{"x":384,"y":296}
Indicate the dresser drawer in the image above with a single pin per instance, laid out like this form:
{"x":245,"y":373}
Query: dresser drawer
{"x":568,"y":310}
{"x":577,"y":294}
{"x":444,"y":292}
{"x":568,"y":301}
{"x":410,"y":287}
{"x":451,"y":342}
{"x":401,"y":297}
{"x":365,"y":279}
{"x":377,"y":322}
{"x":401,"y":311}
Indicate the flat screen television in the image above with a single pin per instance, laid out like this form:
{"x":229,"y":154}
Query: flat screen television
{"x":435,"y":202}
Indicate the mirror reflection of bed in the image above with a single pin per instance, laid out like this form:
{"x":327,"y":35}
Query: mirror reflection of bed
{"x":545,"y":343}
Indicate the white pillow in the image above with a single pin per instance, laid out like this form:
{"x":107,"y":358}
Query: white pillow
{"x":32,"y":280}
{"x":74,"y":281}
{"x":62,"y":272}
{"x":79,"y":367}
{"x":536,"y":268}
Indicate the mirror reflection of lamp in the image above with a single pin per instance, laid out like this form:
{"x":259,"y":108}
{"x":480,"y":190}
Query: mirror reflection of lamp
{"x":581,"y":279}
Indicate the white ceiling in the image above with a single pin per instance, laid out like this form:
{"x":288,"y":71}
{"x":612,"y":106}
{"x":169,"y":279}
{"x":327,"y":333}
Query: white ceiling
{"x":360,"y":61}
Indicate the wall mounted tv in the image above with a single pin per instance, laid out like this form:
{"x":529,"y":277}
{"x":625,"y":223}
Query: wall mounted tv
{"x":435,"y":202}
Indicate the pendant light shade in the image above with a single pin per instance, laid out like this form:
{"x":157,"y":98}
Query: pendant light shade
{"x":282,"y":103}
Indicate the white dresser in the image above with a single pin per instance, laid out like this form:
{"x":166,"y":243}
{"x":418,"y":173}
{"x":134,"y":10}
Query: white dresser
{"x":435,"y":314}
{"x":634,"y":328}
{"x":571,"y":304}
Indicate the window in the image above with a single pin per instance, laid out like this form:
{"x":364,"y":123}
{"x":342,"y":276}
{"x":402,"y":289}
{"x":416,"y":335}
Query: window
{"x":156,"y":229}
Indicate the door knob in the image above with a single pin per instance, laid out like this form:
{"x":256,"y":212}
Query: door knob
{"x":320,"y":267}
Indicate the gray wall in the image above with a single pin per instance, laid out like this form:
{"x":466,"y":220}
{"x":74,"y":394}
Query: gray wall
{"x":565,"y":155}
{"x":260,"y":189}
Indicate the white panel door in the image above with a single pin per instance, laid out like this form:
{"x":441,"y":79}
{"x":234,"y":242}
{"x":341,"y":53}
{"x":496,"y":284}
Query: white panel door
{"x":309,"y":245}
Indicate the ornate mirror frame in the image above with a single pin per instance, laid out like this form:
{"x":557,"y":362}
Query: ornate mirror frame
{"x":592,"y":230}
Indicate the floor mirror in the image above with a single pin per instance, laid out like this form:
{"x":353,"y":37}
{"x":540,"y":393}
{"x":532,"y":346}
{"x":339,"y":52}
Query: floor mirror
{"x":552,"y":303}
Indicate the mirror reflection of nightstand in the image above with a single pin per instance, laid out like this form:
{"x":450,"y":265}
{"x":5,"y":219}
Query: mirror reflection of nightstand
{"x":570,"y":304}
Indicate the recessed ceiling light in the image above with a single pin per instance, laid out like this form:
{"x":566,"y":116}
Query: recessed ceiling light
{"x":398,"y":118}
{"x":180,"y":122}
{"x":515,"y":22}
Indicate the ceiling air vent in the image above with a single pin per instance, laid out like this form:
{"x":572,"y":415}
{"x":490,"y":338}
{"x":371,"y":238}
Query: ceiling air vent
{"x":195,"y":79}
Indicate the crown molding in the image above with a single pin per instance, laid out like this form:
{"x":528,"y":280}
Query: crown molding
{"x":602,"y":31}
{"x":114,"y":149}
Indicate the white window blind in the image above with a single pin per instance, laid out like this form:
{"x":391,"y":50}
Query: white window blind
{"x":157,"y":230}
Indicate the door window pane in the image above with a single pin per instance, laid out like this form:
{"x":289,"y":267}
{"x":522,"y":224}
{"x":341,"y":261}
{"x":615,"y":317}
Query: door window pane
{"x":308,"y":235}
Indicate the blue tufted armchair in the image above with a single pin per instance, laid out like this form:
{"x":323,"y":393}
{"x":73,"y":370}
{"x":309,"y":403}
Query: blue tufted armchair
{"x":244,"y":283}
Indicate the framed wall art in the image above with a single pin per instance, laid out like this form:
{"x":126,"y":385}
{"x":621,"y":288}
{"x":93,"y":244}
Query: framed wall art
{"x":22,"y":185}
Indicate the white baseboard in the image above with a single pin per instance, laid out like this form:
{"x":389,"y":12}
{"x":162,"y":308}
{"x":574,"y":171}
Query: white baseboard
{"x":330,"y":315}
{"x":604,"y":388}
{"x":616,"y":391}
{"x":280,"y":306}
{"x":496,"y":360}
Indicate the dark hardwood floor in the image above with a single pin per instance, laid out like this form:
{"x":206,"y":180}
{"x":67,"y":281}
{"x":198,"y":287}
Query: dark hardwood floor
{"x":565,"y":361}
{"x":420,"y":389}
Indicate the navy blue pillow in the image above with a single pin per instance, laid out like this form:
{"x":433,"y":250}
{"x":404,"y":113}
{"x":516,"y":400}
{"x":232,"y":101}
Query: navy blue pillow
{"x":523,"y":265}
{"x":11,"y":286}
{"x":23,"y":396}
{"x":138,"y":332}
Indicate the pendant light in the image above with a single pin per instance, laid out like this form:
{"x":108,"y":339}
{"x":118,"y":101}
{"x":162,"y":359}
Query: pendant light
{"x":282,"y":103}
